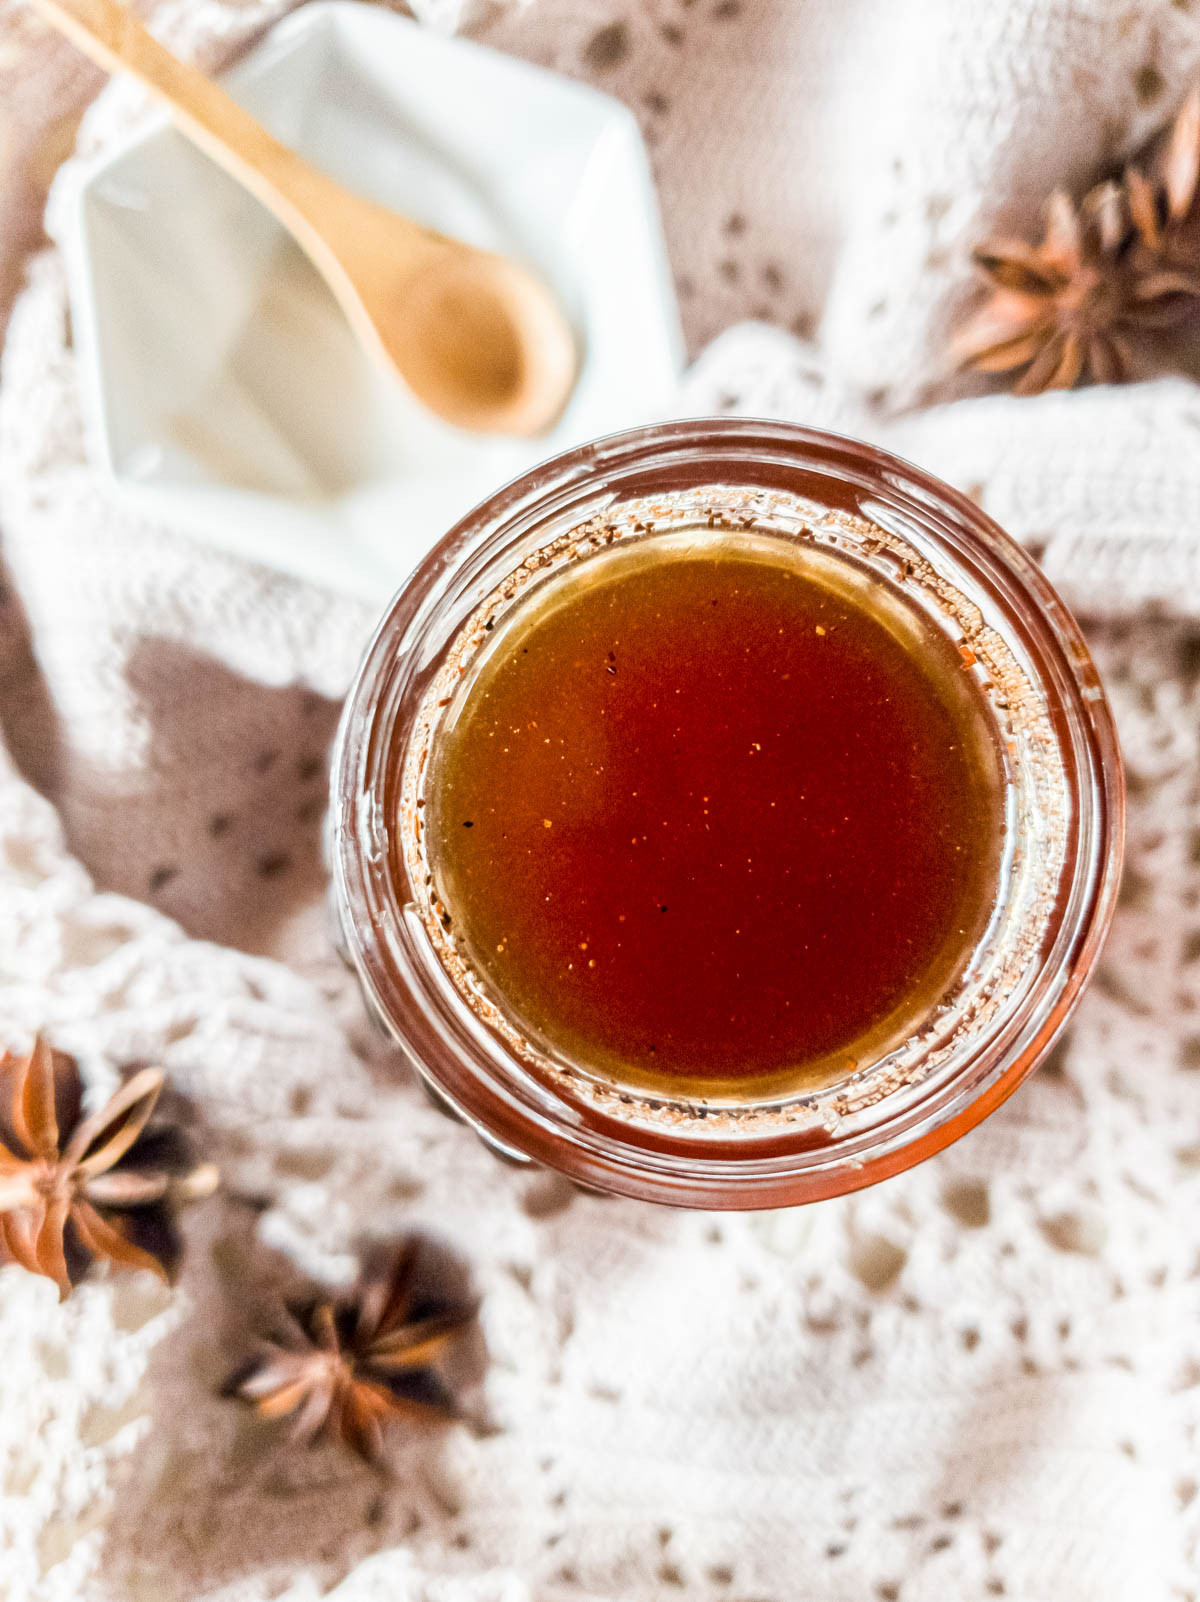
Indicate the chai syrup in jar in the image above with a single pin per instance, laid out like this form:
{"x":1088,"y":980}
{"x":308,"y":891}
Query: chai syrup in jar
{"x":716,"y":812}
{"x":725,"y":814}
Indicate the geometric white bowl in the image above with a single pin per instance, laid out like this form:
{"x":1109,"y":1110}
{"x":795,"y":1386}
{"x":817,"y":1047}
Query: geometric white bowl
{"x":225,"y":388}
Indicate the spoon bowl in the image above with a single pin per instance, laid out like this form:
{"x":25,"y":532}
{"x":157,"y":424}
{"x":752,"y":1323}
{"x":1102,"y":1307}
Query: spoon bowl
{"x":478,"y":340}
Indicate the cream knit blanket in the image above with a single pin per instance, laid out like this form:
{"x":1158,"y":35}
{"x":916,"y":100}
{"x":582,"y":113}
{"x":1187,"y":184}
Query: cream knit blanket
{"x":979,"y":1380}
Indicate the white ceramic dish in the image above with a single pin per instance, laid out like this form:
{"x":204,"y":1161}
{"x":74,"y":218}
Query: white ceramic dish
{"x":227,"y":392}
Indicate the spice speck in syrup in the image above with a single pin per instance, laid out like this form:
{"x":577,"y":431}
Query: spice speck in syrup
{"x":717,"y":814}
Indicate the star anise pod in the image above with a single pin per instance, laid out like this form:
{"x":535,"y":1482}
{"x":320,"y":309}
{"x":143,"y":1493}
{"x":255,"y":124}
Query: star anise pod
{"x":1060,"y":309}
{"x":74,"y":1189}
{"x":349,"y":1368}
{"x":1164,"y":205}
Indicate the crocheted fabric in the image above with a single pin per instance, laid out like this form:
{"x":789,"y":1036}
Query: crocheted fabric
{"x":981,"y":1379}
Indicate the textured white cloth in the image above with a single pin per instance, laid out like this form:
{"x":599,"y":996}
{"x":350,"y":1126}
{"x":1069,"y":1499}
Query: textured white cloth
{"x":980,"y":1379}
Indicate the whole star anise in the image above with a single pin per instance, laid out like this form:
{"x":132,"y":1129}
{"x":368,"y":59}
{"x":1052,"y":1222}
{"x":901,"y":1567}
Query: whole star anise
{"x":1059,"y":309}
{"x":74,"y":1189}
{"x":349,"y":1368}
{"x":1124,"y":262}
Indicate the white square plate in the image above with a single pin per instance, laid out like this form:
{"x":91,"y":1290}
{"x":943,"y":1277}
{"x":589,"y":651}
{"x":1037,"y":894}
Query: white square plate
{"x":228,"y":393}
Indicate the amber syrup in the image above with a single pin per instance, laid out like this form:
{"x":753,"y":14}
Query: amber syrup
{"x":716,"y":814}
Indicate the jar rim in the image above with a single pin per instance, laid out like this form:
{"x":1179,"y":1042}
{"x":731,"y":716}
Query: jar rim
{"x":446,"y":1042}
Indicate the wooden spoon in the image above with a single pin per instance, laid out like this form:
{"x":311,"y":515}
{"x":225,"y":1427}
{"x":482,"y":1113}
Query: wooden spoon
{"x":474,"y":336}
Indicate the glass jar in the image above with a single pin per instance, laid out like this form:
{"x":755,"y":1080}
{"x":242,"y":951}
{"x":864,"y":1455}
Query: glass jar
{"x":1064,"y":804}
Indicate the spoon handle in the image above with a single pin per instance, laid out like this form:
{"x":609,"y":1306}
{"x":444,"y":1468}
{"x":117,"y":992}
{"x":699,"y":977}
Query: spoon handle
{"x":112,"y":36}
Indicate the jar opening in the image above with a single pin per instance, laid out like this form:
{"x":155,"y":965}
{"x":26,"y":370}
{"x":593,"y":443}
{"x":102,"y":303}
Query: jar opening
{"x":935,"y":1023}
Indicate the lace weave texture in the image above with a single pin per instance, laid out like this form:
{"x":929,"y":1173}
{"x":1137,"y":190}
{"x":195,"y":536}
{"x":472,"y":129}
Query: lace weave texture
{"x":981,"y":1379}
